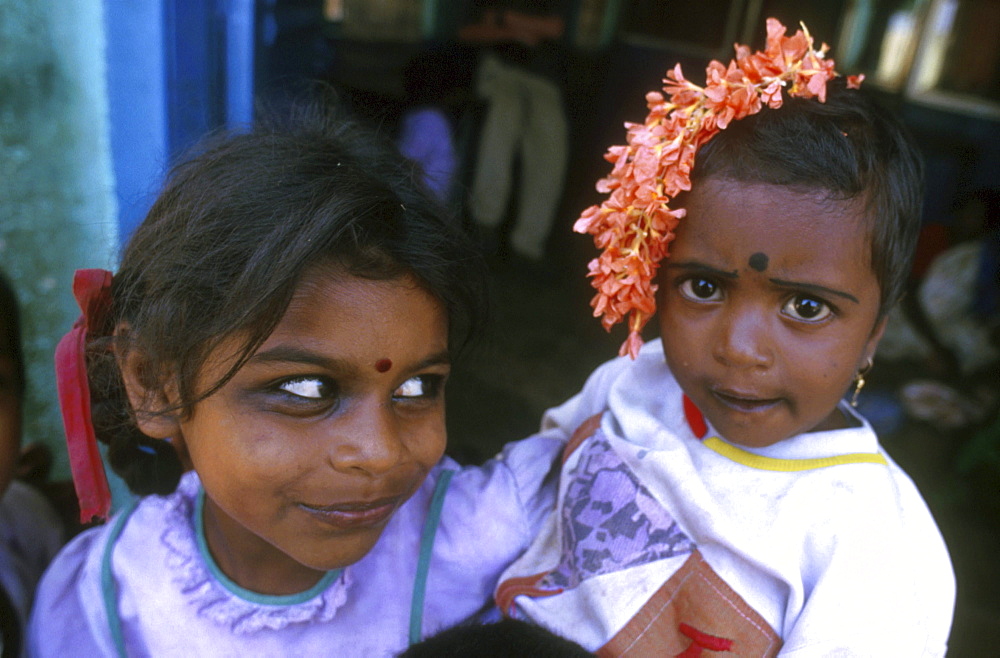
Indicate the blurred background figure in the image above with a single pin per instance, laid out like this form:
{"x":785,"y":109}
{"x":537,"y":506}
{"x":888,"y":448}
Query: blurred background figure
{"x":519,"y":76}
{"x":434,"y":82}
{"x":31,"y":532}
{"x":951,"y":320}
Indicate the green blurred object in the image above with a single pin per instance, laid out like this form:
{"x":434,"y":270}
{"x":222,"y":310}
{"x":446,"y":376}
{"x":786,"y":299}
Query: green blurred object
{"x":982,"y":448}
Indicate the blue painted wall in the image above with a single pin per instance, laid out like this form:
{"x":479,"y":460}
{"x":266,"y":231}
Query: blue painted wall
{"x":177,"y":69}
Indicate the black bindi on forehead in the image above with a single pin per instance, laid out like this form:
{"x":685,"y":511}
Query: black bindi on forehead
{"x":758,"y":261}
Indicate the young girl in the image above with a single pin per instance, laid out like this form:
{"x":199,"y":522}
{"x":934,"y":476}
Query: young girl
{"x":270,"y":361}
{"x":724,"y":498}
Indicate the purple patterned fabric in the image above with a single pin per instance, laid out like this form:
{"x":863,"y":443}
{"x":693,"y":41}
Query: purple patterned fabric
{"x":609,"y":520}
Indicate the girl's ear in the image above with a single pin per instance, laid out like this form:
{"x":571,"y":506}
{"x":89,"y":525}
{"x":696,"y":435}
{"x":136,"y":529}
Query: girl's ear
{"x":154,"y":404}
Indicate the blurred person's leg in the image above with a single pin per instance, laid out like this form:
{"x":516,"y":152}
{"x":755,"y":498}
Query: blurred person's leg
{"x":499,"y":86}
{"x":544,"y":152}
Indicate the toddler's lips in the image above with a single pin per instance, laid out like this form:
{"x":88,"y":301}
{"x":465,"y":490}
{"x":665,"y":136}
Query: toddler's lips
{"x":353,"y":515}
{"x":745,"y":402}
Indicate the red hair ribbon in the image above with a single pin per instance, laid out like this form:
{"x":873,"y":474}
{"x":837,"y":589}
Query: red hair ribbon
{"x":92,"y":289}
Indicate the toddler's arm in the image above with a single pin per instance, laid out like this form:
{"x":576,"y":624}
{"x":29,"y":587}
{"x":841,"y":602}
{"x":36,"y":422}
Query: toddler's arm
{"x":883,"y":580}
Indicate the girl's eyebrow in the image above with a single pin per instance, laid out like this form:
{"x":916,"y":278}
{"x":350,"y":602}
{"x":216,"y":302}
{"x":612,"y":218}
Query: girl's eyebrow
{"x":814,"y":287}
{"x":442,"y":358}
{"x":292,"y":354}
{"x":701,"y":267}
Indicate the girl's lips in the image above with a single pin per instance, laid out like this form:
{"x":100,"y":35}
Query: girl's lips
{"x":744,"y":402}
{"x":348,"y":516}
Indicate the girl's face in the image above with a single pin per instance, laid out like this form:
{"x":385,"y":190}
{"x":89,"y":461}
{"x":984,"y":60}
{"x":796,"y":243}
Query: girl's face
{"x":326,"y":431}
{"x":768,"y":308}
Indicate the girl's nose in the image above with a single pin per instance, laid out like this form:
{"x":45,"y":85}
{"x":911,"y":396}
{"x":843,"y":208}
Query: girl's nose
{"x":744,"y":340}
{"x":370,"y":442}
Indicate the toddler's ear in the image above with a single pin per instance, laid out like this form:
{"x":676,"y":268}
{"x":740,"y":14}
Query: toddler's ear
{"x":875,"y":337}
{"x":151,"y":397}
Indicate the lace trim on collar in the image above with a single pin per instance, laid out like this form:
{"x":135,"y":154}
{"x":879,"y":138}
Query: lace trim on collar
{"x":223,"y":605}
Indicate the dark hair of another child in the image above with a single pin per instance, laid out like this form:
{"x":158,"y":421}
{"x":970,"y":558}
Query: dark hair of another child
{"x":508,"y":638}
{"x":849,"y":146}
{"x":10,"y":311}
{"x":221,"y":252}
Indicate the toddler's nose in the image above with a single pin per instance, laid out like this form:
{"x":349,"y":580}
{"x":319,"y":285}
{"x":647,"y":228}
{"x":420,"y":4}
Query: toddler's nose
{"x":744,"y":340}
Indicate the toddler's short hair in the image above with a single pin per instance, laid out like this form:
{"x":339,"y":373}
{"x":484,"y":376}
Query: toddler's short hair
{"x":849,"y":146}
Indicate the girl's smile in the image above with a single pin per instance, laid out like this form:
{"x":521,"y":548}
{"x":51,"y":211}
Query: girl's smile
{"x":310,"y":449}
{"x":355,"y":515}
{"x":769,"y":306}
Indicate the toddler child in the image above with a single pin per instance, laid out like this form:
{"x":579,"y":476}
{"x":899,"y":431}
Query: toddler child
{"x":270,"y":361}
{"x":30,"y":529}
{"x":724,"y":498}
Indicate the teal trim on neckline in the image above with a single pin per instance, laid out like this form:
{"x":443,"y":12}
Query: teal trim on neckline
{"x":241,"y":592}
{"x":108,"y":590}
{"x":426,"y":551}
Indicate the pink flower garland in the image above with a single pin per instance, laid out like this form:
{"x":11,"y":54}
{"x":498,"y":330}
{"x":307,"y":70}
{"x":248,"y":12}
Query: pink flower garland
{"x":635,"y":225}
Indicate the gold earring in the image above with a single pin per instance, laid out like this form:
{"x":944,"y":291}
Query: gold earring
{"x":859,"y":381}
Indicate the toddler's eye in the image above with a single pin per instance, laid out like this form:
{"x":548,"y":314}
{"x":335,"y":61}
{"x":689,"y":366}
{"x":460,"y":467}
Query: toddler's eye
{"x":807,"y":309}
{"x":307,"y":387}
{"x":422,"y":386}
{"x":700,"y":290}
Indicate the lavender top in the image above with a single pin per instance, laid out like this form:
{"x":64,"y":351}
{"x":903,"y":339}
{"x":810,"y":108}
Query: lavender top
{"x":146,"y":583}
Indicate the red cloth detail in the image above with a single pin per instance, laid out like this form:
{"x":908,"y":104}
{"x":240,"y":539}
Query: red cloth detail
{"x":702,"y":641}
{"x":695,"y":420}
{"x":514,"y":587}
{"x":582,"y":433}
{"x":92,"y":289}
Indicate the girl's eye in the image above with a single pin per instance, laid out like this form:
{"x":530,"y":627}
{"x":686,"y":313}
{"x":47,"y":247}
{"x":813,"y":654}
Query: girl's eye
{"x":699,"y":289}
{"x":807,"y":309}
{"x":312,"y":388}
{"x":419,"y":387}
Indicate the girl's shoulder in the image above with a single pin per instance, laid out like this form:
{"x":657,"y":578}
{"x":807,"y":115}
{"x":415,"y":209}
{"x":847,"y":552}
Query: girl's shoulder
{"x":81,"y":560}
{"x":69,"y":613}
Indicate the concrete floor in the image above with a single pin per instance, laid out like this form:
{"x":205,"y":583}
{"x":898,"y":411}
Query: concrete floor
{"x":544,"y":342}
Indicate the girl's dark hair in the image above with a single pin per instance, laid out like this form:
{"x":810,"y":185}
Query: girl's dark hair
{"x":849,"y":146}
{"x":224,"y":246}
{"x":10,"y":310}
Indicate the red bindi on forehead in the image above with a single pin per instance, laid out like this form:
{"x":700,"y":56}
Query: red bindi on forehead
{"x":383,"y":365}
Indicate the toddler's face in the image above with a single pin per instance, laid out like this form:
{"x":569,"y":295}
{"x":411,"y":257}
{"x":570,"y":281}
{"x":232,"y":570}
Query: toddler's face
{"x":768,"y":308}
{"x":331,"y":426}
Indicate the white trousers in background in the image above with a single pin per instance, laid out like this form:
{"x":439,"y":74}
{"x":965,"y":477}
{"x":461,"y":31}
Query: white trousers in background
{"x":525,"y":118}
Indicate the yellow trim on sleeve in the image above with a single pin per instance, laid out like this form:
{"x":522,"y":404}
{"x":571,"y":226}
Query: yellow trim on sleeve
{"x":741,"y":456}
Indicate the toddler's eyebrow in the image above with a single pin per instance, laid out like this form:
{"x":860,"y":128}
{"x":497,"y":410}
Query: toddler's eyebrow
{"x":701,"y":267}
{"x":814,"y":287}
